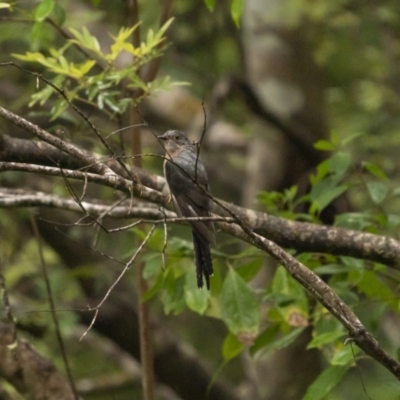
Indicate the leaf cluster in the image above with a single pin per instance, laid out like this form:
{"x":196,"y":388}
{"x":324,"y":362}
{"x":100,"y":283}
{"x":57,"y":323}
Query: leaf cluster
{"x":97,"y":80}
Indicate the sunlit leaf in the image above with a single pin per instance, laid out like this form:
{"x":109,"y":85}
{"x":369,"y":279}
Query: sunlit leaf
{"x":29,"y":56}
{"x":86,"y":40}
{"x":236,"y":10}
{"x":324,"y":145}
{"x":163,"y":29}
{"x":87,"y":66}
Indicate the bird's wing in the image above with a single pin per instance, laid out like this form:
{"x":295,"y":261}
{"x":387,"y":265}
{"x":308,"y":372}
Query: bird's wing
{"x":190,"y":198}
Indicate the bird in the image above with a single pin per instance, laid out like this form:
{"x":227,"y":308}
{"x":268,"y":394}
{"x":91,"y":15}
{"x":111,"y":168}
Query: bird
{"x":188,"y":185}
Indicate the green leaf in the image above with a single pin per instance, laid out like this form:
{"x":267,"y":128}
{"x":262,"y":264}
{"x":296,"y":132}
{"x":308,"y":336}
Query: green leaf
{"x":324,"y":145}
{"x":351,"y":137}
{"x":333,"y":269}
{"x":152,"y":264}
{"x":196,"y":299}
{"x":239,"y":308}
{"x":327,"y":380}
{"x":282,"y":341}
{"x":344,"y":355}
{"x":58,"y":108}
{"x":354,"y":220}
{"x":173,"y":294}
{"x":377,"y":191}
{"x":340,"y":162}
{"x":236,"y":10}
{"x":86,"y":67}
{"x":325,"y":338}
{"x":155,"y":288}
{"x":210,"y":4}
{"x":43,"y":10}
{"x":5,"y":5}
{"x":59,"y":14}
{"x":231,"y":347}
{"x":374,"y":288}
{"x":85,"y":39}
{"x":322,"y":171}
{"x":159,"y":35}
{"x":326,"y":196}
{"x":265,"y":338}
{"x":290,"y":298}
{"x":250,"y":269}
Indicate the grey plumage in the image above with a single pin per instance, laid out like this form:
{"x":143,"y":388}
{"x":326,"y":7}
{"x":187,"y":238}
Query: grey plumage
{"x":188,"y":184}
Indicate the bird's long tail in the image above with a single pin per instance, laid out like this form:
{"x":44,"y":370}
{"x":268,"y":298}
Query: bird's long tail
{"x":203,"y":260}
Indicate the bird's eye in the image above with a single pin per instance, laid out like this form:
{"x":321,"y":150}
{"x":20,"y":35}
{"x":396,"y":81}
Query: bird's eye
{"x":176,"y":137}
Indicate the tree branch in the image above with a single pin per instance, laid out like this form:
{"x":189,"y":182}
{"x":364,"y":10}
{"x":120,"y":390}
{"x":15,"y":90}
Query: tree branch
{"x":323,"y":294}
{"x":316,"y":286}
{"x":31,"y":373}
{"x":301,"y":236}
{"x":61,"y":144}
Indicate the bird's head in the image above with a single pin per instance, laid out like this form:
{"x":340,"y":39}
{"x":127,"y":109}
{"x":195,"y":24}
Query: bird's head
{"x":175,"y":141}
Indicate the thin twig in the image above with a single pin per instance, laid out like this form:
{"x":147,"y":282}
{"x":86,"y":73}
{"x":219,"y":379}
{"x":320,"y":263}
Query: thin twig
{"x":127,"y":266}
{"x":50,"y":299}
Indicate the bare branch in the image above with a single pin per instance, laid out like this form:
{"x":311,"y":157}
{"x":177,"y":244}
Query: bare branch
{"x":308,"y":237}
{"x":56,"y":142}
{"x":10,"y":198}
{"x":114,"y":181}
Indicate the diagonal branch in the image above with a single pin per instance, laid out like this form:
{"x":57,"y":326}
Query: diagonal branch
{"x":323,"y":294}
{"x":61,"y":144}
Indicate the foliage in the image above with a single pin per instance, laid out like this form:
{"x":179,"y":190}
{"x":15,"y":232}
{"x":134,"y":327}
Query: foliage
{"x":359,"y":283}
{"x":98,"y":79}
{"x":99,"y":89}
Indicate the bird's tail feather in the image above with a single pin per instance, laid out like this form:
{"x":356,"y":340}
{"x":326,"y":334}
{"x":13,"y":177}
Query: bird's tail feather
{"x":203,"y":260}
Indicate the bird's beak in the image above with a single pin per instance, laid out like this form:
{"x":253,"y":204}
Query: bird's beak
{"x":161,"y":137}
